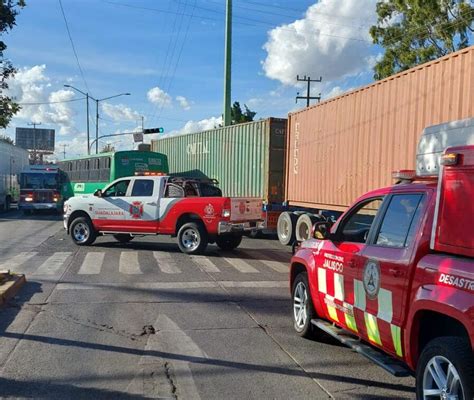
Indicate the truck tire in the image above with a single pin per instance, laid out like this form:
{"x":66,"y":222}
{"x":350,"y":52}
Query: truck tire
{"x":82,"y":231}
{"x":443,"y":354}
{"x":304,"y":225}
{"x":228,"y":242}
{"x":123,"y":237}
{"x":192,"y":238}
{"x":303,"y":309}
{"x":286,"y":228}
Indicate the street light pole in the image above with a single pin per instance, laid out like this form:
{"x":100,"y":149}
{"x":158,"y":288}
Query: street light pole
{"x":87,"y":111}
{"x":96,"y":126}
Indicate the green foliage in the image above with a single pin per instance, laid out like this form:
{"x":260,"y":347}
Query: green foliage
{"x":108,"y":148}
{"x":8,"y":12}
{"x":6,"y":139}
{"x":239,"y":117}
{"x":413,"y":32}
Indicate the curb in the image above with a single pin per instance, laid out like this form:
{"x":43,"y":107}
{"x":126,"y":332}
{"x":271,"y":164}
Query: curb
{"x":10,"y":287}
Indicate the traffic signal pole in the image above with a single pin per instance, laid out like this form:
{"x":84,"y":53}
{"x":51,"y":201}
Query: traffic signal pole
{"x":227,"y":119}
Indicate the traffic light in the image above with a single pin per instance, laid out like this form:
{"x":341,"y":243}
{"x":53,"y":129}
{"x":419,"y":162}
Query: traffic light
{"x":153,"y":130}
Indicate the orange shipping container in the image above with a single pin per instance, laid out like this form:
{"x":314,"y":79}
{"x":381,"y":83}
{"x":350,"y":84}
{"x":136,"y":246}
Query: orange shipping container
{"x":346,"y":146}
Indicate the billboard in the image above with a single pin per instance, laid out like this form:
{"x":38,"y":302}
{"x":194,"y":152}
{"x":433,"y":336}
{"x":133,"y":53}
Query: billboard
{"x":41,"y":140}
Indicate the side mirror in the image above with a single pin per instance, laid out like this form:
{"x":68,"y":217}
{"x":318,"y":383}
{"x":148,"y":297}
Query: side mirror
{"x":98,"y":193}
{"x":321,"y":230}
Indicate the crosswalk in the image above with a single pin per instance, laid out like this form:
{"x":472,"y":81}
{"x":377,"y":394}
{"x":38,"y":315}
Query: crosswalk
{"x":131,"y":263}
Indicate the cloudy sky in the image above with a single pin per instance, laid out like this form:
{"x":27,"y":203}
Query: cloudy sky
{"x":169,"y":55}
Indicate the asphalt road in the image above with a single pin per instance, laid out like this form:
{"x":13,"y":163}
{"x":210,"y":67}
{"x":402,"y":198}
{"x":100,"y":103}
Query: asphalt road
{"x":142,"y":320}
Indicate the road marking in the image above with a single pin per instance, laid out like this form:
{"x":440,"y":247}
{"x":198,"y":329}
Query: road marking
{"x":241,"y":265}
{"x":128,"y":263}
{"x":274,"y":264}
{"x":205,"y":264}
{"x":166,"y":262}
{"x":52,"y":266}
{"x":17,"y":260}
{"x":173,"y":285}
{"x":92,"y":263}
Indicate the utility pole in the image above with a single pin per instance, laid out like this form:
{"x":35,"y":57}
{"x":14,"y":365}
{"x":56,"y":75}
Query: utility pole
{"x":64,"y":150}
{"x":34,"y":139}
{"x":96,"y":126}
{"x":227,"y":119}
{"x":88,"y":133}
{"x":308,"y":90}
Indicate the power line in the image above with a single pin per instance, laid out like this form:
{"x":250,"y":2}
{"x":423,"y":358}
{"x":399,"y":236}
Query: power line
{"x":50,"y":102}
{"x":72,"y":45}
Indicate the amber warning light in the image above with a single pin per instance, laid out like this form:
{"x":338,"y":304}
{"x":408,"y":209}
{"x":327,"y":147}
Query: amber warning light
{"x":404,"y":174}
{"x":149,"y":174}
{"x":450,"y":159}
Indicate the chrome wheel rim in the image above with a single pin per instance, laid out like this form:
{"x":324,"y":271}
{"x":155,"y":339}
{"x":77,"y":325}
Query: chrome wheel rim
{"x":284,"y":228}
{"x":190,"y":239}
{"x":441,"y":380}
{"x":300,"y":309}
{"x":303,"y":231}
{"x":81,"y":232}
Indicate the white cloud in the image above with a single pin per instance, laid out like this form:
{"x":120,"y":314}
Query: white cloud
{"x":336,"y":91}
{"x":120,"y":112}
{"x":159,"y":97}
{"x":32,"y":85}
{"x":329,"y":41}
{"x":183,"y":102}
{"x":195,"y":126}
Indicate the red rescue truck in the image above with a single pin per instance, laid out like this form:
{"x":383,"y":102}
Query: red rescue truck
{"x":191,"y":209}
{"x":393,"y":278}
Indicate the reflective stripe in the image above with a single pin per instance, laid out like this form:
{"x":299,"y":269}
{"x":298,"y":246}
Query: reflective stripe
{"x":397,"y":339}
{"x":339,"y":286}
{"x":322,"y":280}
{"x":372,"y":328}
{"x":359,"y":295}
{"x":331,"y":309}
{"x":349,"y":315}
{"x":385,"y":311}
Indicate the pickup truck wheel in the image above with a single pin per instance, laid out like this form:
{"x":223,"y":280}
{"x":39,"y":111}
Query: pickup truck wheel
{"x":82,"y":231}
{"x":446,"y":370}
{"x":123,"y":237}
{"x":228,"y":242}
{"x":303,"y":310}
{"x":192,"y":238}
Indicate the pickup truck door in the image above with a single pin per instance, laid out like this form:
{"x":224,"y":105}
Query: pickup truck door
{"x":143,"y":206}
{"x":387,"y":260}
{"x":339,"y":259}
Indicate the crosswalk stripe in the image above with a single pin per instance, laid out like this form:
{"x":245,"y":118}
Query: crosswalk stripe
{"x":128,"y":263}
{"x":166,"y":262}
{"x":277,"y":266}
{"x":241,"y":265}
{"x":92,"y":263}
{"x":205,"y":264}
{"x":53,"y":264}
{"x":17,"y":260}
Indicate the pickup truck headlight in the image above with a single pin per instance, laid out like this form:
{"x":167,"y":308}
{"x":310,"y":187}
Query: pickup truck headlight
{"x":226,"y":213}
{"x":64,"y":208}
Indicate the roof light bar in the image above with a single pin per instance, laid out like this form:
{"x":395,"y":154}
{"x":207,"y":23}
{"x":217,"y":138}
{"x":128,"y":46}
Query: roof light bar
{"x":149,"y":173}
{"x":404,"y":174}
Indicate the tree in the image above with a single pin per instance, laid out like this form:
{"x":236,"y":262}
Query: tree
{"x":6,"y":139}
{"x":239,"y":117}
{"x":108,"y":148}
{"x":413,"y":32}
{"x":8,"y":12}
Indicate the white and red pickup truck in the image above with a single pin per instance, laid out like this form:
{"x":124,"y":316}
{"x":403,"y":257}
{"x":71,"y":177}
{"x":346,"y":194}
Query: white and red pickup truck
{"x":191,"y":209}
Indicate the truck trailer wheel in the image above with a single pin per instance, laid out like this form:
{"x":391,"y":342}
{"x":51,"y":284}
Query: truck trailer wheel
{"x":303,"y":226}
{"x":192,"y":238}
{"x":123,"y":237}
{"x":82,"y":231}
{"x":446,"y":370}
{"x":286,"y":227}
{"x":228,"y":242}
{"x":303,"y":309}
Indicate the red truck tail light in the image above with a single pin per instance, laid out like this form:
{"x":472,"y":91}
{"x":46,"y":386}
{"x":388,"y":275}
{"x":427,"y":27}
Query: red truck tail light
{"x":226,"y":209}
{"x":450,"y":159}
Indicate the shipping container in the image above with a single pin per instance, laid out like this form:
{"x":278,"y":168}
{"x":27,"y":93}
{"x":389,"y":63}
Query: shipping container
{"x":346,"y":146}
{"x":247,"y":159}
{"x":12,"y":160}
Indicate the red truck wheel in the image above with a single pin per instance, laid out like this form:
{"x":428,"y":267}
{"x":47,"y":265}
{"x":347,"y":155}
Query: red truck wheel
{"x":303,"y":310}
{"x":192,"y":238}
{"x":446,"y":370}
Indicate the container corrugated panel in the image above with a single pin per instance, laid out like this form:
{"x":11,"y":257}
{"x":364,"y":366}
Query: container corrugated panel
{"x":346,"y":146}
{"x":247,"y":159}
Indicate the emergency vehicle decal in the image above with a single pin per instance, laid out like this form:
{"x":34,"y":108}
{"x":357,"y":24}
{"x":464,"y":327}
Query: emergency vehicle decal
{"x":136,"y":209}
{"x":456,"y":282}
{"x":371,"y":311}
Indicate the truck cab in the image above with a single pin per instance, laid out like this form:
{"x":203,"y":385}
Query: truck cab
{"x":193,"y":210}
{"x":393,"y":278}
